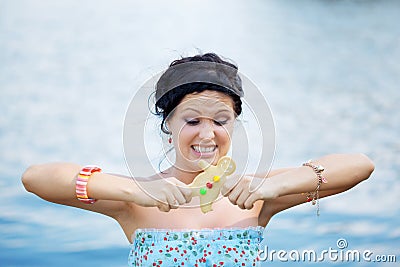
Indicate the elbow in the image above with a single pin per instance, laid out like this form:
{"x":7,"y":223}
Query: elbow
{"x":28,"y":178}
{"x":366,"y":167}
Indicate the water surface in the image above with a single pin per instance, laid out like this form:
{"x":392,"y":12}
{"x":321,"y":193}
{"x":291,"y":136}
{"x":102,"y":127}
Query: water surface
{"x":68,"y":69}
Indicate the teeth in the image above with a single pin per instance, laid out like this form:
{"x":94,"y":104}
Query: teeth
{"x":204,"y":149}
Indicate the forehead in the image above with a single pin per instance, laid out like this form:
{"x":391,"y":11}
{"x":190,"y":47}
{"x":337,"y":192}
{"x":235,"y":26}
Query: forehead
{"x":207,"y":100}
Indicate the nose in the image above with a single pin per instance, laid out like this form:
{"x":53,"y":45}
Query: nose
{"x":207,"y":130}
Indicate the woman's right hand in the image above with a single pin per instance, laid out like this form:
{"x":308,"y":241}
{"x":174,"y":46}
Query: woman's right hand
{"x":165,"y":194}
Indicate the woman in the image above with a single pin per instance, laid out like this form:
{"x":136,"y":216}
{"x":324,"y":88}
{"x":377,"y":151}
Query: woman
{"x":198,"y":106}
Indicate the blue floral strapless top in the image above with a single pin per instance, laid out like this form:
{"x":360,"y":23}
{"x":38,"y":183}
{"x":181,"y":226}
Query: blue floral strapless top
{"x":204,"y":247}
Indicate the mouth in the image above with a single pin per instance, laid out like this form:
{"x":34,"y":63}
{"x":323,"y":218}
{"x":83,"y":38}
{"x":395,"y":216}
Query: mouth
{"x":204,"y":149}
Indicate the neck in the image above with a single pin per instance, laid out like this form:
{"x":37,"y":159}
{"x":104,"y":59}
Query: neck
{"x":182,"y":175}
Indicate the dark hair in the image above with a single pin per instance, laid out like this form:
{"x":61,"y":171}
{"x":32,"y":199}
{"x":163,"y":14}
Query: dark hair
{"x":168,"y":102}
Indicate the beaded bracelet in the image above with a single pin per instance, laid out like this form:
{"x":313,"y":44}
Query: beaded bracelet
{"x":81,"y":183}
{"x":314,"y":196}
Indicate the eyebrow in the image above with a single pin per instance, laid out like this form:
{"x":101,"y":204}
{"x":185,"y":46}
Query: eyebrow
{"x":192,"y":109}
{"x":195,"y":110}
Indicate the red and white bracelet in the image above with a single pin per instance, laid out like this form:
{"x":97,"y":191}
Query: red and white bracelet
{"x":81,"y":183}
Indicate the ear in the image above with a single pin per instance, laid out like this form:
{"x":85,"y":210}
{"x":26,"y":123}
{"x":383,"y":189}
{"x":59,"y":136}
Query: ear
{"x":168,"y":126}
{"x":227,"y":165}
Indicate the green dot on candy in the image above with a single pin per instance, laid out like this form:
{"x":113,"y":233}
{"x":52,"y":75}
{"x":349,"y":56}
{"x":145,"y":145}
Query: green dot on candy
{"x":203,"y":191}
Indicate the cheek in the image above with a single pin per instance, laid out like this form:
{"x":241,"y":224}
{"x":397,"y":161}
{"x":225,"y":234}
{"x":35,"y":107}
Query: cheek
{"x":224,"y":136}
{"x":186,"y":135}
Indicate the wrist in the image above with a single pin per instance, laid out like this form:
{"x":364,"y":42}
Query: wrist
{"x":282,"y":186}
{"x":138,"y":193}
{"x":81,"y":182}
{"x":270,"y":188}
{"x":292,"y":182}
{"x":133,"y":192}
{"x":112,"y":187}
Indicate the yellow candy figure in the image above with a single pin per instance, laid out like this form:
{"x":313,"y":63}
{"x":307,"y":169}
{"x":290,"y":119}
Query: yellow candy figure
{"x":207,"y":185}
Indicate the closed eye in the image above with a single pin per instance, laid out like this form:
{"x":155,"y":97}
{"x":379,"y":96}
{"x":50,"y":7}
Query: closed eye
{"x":220,"y":123}
{"x":193,"y":122}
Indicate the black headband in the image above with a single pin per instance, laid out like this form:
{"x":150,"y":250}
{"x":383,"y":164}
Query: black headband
{"x":199,"y":71}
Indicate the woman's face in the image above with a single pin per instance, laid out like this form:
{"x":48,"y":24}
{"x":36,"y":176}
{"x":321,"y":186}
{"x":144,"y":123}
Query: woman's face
{"x":201,"y":127}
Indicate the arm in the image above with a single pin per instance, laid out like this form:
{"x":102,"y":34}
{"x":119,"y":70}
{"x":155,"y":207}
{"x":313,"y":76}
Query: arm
{"x":282,"y":189}
{"x":55,"y":182}
{"x":341,"y":170}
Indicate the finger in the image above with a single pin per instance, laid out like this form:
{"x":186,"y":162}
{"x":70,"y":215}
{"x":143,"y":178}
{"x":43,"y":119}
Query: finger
{"x":188,"y":194}
{"x":172,"y":202}
{"x":229,"y":185}
{"x":234,"y":195}
{"x":185,"y":191}
{"x":176,"y":198}
{"x":225,"y":190}
{"x":249,"y":203}
{"x":179,"y":197}
{"x":163,"y":207}
{"x":242,"y":199}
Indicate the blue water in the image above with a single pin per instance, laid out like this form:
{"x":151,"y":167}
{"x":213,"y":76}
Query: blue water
{"x":68,"y":69}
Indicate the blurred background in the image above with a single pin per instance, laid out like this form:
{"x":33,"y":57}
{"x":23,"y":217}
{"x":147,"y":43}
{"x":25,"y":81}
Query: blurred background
{"x":68,"y":69}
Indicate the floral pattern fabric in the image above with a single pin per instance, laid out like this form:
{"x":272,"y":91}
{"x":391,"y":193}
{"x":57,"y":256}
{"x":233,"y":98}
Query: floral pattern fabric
{"x":206,"y":247}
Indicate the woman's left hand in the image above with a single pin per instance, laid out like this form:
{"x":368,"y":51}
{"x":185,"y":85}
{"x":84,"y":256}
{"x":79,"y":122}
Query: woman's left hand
{"x":245,"y":190}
